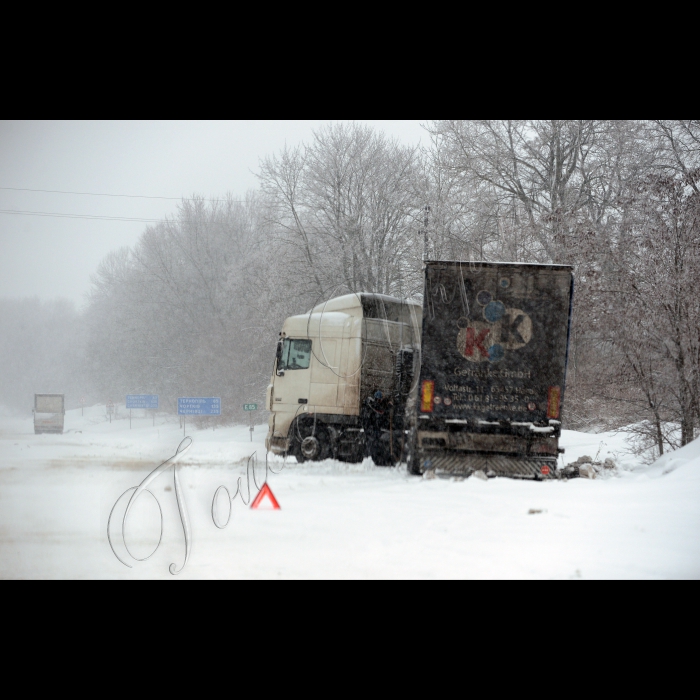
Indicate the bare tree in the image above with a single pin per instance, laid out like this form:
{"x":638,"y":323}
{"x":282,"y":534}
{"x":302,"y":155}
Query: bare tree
{"x":677,"y":146}
{"x":647,"y":309}
{"x":342,"y":211}
{"x":185,"y":312}
{"x":544,"y":180}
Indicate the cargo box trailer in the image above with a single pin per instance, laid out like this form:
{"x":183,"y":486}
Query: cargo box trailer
{"x":494,"y":348}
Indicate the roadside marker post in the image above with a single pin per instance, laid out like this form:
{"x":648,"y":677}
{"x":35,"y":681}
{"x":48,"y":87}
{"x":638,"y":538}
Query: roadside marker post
{"x":250,"y":407}
{"x":110,"y":409}
{"x":197,"y":406}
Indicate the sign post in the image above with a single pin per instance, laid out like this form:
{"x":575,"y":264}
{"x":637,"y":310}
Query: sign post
{"x":250,"y":407}
{"x":145,"y":401}
{"x":197,"y":406}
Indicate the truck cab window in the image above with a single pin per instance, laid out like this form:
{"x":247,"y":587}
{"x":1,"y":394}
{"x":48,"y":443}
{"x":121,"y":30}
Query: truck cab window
{"x":296,"y":354}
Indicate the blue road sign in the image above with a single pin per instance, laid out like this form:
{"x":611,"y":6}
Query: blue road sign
{"x":142,"y":401}
{"x":199,"y":407}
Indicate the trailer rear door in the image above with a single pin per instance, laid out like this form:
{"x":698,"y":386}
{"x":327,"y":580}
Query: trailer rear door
{"x":48,"y":403}
{"x":495,"y":339}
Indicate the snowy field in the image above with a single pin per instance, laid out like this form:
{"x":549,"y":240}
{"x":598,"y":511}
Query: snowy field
{"x":336,"y":520}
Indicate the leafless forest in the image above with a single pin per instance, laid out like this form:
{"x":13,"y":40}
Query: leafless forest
{"x":195,"y":307}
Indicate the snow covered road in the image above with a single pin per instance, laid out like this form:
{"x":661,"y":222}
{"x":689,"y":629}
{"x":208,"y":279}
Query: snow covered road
{"x":337,"y":520}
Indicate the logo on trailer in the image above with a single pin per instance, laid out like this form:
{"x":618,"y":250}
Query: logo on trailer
{"x":502,"y":329}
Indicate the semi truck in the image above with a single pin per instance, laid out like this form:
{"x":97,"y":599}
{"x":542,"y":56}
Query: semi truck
{"x":342,"y":377}
{"x":49,"y":413}
{"x":494,"y":348}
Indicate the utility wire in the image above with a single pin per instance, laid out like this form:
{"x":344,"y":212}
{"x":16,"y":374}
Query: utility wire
{"x":129,"y":196}
{"x":57,"y":215}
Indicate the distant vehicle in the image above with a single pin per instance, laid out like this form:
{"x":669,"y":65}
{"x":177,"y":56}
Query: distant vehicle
{"x":342,"y":376}
{"x":493,"y":363}
{"x":49,"y":413}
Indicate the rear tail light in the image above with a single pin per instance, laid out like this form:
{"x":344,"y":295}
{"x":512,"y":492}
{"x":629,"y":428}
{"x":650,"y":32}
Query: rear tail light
{"x":553,"y":402}
{"x":427,"y":396}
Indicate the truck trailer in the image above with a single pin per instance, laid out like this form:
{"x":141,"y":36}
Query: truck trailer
{"x":49,"y":413}
{"x":494,"y":348}
{"x":342,"y":376}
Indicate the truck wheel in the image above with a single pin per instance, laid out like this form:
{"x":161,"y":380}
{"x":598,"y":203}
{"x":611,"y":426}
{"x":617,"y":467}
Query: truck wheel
{"x":383,"y":460}
{"x":314,"y":447}
{"x":411,"y":460}
{"x":379,"y":449}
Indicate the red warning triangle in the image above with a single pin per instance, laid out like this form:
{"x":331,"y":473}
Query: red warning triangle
{"x":265,"y":492}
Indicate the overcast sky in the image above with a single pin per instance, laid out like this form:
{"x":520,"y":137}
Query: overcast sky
{"x":53,"y":257}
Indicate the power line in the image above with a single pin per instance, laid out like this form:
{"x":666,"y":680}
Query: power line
{"x":58,"y":215}
{"x":128,"y":196}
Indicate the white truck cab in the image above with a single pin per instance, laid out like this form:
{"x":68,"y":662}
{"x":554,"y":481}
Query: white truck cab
{"x":342,"y":375}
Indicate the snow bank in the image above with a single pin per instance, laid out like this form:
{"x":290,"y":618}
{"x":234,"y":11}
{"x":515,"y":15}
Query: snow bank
{"x":686,"y":460}
{"x":337,"y":520}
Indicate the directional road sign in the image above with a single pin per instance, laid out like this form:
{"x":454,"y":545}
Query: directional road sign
{"x":193,"y":406}
{"x":250,"y":407}
{"x":142,"y":401}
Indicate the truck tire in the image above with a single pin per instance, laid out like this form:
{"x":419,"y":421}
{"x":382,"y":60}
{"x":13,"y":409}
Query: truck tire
{"x":411,"y":461}
{"x":381,"y":456}
{"x":412,"y":466}
{"x":310,"y":445}
{"x":380,"y":450}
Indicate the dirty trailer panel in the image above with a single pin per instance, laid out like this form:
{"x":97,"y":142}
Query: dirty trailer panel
{"x":494,"y":350}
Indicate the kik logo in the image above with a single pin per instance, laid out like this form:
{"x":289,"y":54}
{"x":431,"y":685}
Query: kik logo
{"x":502,"y":329}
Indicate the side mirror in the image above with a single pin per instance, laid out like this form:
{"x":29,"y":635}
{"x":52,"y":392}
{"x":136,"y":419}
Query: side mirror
{"x":280,"y":369}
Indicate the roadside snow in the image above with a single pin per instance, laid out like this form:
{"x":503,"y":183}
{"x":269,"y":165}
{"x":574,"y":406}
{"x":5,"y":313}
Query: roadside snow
{"x":337,"y":520}
{"x":686,"y":461}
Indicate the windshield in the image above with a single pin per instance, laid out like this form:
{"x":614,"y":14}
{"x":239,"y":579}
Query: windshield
{"x":296,"y":354}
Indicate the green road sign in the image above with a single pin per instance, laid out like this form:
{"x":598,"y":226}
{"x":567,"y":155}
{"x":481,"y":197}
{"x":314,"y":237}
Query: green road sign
{"x":250,"y":407}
